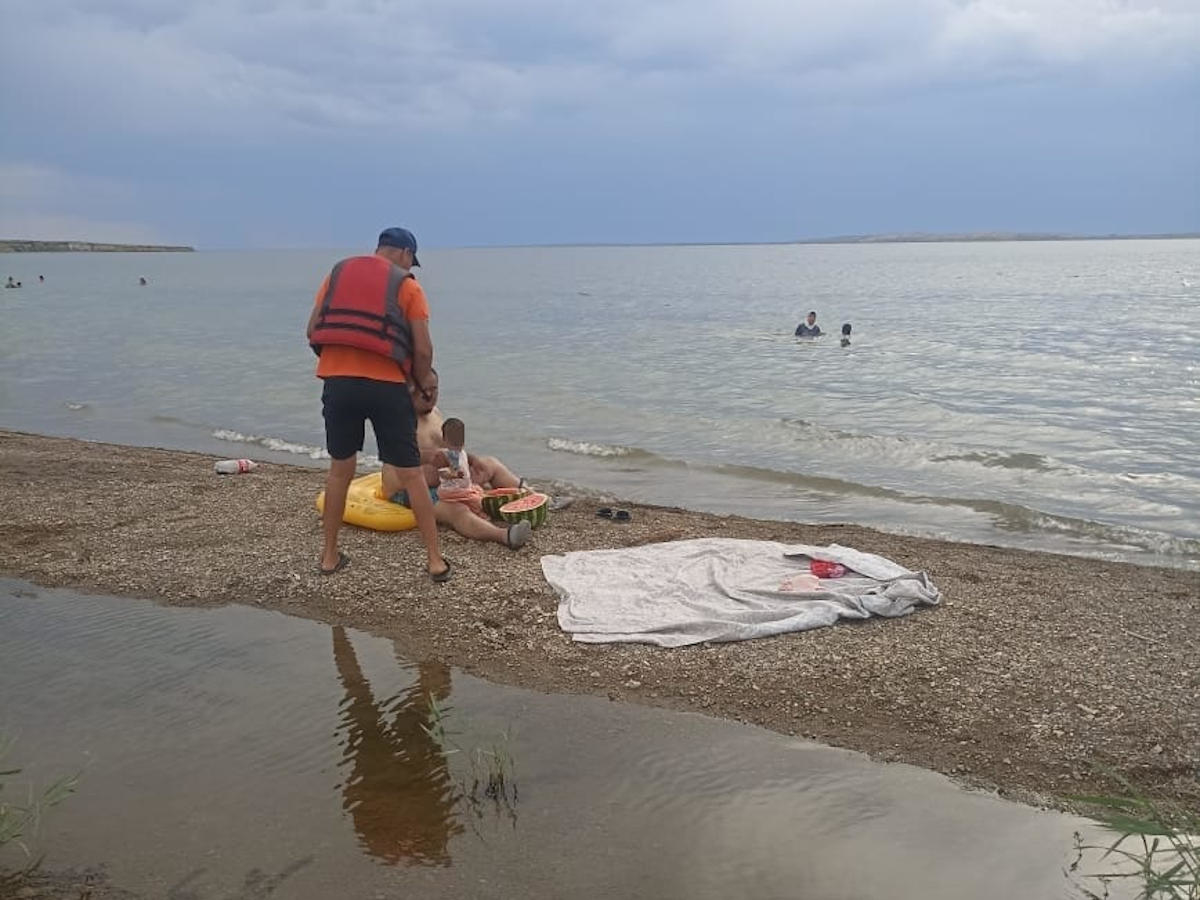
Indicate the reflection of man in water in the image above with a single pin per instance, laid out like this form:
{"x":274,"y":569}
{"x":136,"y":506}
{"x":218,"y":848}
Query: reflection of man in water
{"x":397,"y":790}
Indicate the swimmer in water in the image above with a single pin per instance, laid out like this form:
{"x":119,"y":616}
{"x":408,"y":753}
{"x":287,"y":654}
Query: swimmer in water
{"x":809,"y":327}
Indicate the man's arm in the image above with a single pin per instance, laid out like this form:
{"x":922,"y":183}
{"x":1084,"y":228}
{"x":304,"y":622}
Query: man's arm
{"x":422,"y":359}
{"x":316,"y":310}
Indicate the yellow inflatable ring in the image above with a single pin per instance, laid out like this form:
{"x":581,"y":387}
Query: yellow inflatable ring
{"x":366,"y":509}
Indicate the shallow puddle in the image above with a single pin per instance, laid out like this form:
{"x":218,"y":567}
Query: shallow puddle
{"x":236,"y":753}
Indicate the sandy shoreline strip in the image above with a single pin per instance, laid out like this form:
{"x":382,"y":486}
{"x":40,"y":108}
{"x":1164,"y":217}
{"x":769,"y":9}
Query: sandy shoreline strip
{"x":1035,"y":669}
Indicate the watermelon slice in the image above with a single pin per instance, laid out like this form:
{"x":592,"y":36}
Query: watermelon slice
{"x":532,"y":508}
{"x":495,"y":498}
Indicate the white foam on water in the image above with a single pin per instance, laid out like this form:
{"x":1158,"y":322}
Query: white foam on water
{"x":1119,"y":536}
{"x":280,"y":445}
{"x":586,"y":448}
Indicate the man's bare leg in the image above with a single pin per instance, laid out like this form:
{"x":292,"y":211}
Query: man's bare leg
{"x":469,"y":525}
{"x":489,"y":470}
{"x":337,"y":484}
{"x":412,"y":480}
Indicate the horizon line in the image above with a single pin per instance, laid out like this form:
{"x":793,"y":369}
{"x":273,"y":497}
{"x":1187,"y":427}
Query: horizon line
{"x":916,"y":237}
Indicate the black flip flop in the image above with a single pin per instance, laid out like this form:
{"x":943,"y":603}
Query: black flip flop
{"x":604,"y":512}
{"x":343,"y":561}
{"x":443,"y":576}
{"x":621,"y":515}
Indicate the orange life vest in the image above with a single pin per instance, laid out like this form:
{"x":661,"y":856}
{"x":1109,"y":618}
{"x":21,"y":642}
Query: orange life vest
{"x":361,"y":308}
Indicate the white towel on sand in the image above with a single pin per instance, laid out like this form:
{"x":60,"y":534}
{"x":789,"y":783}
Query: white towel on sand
{"x":720,"y":589}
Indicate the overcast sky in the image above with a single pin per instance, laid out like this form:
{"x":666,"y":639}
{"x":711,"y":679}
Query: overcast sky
{"x":255,"y":123}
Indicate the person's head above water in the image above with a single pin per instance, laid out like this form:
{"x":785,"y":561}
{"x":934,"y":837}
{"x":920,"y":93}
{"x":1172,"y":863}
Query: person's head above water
{"x":811,"y":318}
{"x":846,"y":329}
{"x":398,"y":245}
{"x":454,"y":433}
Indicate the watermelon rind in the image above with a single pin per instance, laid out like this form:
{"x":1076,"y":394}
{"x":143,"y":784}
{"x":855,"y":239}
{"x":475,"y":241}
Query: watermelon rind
{"x":532,"y":508}
{"x":495,"y":498}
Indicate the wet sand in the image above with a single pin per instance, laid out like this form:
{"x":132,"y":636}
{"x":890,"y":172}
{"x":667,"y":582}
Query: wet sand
{"x":1037,"y":672}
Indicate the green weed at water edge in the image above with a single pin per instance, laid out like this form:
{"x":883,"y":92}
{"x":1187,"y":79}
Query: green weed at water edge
{"x":19,"y":822}
{"x":1157,"y":847}
{"x":493,"y":768}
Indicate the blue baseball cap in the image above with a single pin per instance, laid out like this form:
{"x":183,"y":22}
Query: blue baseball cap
{"x":401,"y":238}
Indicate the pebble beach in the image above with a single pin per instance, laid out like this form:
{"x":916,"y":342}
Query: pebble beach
{"x":1039,"y":676}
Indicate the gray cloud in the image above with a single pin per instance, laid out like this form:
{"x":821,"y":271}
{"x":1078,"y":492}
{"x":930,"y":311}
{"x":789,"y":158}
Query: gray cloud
{"x":247,"y":68}
{"x":39,"y":202}
{"x":229,"y":121}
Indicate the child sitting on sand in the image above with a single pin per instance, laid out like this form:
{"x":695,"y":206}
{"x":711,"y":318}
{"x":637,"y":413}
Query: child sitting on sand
{"x":454,"y":468}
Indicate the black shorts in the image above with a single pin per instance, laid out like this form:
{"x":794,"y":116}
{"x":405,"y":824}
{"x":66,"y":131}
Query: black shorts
{"x":347,"y":404}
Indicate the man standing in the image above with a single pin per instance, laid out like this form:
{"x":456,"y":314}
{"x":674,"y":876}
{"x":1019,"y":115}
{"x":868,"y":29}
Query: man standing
{"x":370,"y":329}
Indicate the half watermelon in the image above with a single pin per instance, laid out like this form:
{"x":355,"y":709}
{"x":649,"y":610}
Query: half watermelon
{"x":495,"y":498}
{"x":532,"y":509}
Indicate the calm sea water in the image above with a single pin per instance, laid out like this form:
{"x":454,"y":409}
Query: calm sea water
{"x":1041,"y":395}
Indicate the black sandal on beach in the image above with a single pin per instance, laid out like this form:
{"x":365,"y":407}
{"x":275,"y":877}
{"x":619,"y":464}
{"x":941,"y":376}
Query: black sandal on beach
{"x":343,"y":561}
{"x":443,"y":576}
{"x":605,"y":512}
{"x":621,"y":515}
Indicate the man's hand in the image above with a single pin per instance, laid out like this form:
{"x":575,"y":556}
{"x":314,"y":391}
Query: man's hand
{"x":423,"y":400}
{"x":424,"y":394}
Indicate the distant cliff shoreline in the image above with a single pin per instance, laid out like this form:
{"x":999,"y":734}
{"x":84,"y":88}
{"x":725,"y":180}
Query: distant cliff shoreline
{"x":87,"y":247}
{"x":899,"y":238}
{"x":933,"y":238}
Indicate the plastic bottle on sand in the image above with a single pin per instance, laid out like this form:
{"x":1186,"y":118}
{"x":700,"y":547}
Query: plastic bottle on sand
{"x":235,"y":466}
{"x":823,"y":568}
